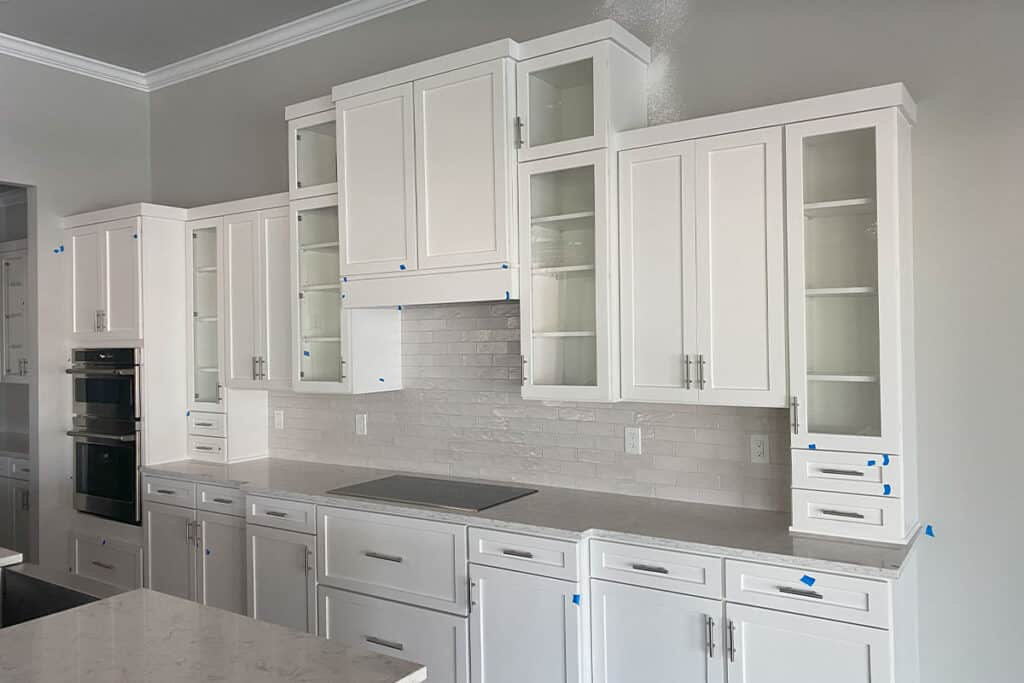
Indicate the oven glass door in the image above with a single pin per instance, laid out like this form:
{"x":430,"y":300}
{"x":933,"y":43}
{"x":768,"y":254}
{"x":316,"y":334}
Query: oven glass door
{"x":105,"y":395}
{"x":107,"y":478}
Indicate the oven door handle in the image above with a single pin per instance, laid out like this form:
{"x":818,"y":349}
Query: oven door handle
{"x":108,"y":437}
{"x":101,"y":372}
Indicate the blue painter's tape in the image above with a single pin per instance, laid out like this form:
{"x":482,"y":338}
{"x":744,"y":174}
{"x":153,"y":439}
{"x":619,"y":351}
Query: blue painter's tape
{"x":103,"y":542}
{"x":380,"y":379}
{"x":872,"y":463}
{"x":135,"y":236}
{"x":187,"y":413}
{"x":399,"y":306}
{"x":62,"y":248}
{"x":504,"y":266}
{"x":812,"y":446}
{"x":344,"y":278}
{"x":401,"y":267}
{"x":306,"y":354}
{"x":886,"y":490}
{"x":809,"y":580}
{"x":508,"y":295}
{"x":575,"y":598}
{"x":885,"y":459}
{"x":929,"y":531}
{"x":208,"y":552}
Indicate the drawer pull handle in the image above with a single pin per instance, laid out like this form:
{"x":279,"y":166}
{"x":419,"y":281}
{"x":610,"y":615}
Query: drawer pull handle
{"x":204,"y":424}
{"x":381,"y":556}
{"x":276,"y":513}
{"x":841,"y":513}
{"x":103,"y":565}
{"x":226,"y":501}
{"x":166,"y":492}
{"x":518,"y":553}
{"x":203,"y":448}
{"x":801,"y":592}
{"x":845,"y":473}
{"x":384,"y":643}
{"x":650,"y":568}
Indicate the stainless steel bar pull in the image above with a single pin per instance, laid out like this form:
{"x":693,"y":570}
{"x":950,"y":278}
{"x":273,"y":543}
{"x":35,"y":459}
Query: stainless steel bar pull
{"x":687,"y":382}
{"x":844,"y":473}
{"x":803,"y":593}
{"x":518,"y":553}
{"x":842,"y":513}
{"x":709,"y":635}
{"x":650,"y":568}
{"x":103,"y":565}
{"x":701,"y":383}
{"x":381,"y":556}
{"x":794,"y":410}
{"x":276,"y":513}
{"x":731,"y":645}
{"x":373,"y":640}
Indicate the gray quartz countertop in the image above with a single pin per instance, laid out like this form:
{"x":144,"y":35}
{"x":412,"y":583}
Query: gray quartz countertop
{"x":9,"y":557}
{"x":147,"y":636}
{"x":728,"y":532}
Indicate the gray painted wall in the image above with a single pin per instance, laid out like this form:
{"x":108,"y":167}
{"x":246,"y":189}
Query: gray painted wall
{"x":84,"y":145}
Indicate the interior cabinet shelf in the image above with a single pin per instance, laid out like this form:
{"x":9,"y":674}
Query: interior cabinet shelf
{"x":321,"y":339}
{"x":571,"y":333}
{"x":555,"y":270}
{"x":823,"y":377}
{"x":320,"y":246}
{"x":858,"y":205}
{"x":561,"y":218}
{"x":207,"y":369}
{"x":206,"y":269}
{"x":320,"y":288}
{"x":842,"y":291}
{"x":205,"y":318}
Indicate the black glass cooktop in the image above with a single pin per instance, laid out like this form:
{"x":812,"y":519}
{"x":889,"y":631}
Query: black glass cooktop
{"x":440,"y":493}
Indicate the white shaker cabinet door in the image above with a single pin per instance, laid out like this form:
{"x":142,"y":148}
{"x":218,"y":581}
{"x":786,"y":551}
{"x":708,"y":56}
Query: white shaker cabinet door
{"x":775,"y":646}
{"x":657,"y":241}
{"x":221,"y":562}
{"x":523,"y":628}
{"x":241,"y":263}
{"x":642,"y":634}
{"x":170,"y":549}
{"x":377,"y":182}
{"x":122,"y":280}
{"x":463,"y":166}
{"x":741,"y":269}
{"x":275,"y":299}
{"x":15,"y":322}
{"x":86,"y":246}
{"x":281,"y":573}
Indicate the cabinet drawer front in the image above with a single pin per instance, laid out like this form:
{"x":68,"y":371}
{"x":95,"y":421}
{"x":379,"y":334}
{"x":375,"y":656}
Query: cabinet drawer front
{"x":208,"y":448}
{"x":20,"y":469}
{"x":107,"y":560}
{"x":808,"y":591}
{"x":545,"y":556}
{"x":411,"y":560}
{"x":663,"y":569}
{"x":221,"y":499}
{"x":439,"y":641}
{"x":291,"y":515}
{"x":169,"y":491}
{"x":208,"y":424}
{"x":868,"y":474}
{"x":871,"y":518}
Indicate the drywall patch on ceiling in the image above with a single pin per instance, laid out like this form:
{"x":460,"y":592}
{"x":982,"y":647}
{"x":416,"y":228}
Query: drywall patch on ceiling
{"x":662,"y":21}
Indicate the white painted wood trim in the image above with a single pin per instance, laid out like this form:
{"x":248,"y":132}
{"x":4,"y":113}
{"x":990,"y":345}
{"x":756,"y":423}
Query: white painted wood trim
{"x":309,"y":107}
{"x":118,"y":213}
{"x":581,"y":35}
{"x":12,"y":46}
{"x":269,"y":201}
{"x":879,"y":97}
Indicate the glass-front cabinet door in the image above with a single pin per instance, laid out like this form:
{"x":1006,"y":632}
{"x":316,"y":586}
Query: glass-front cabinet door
{"x":313,"y":156}
{"x":206,"y":375}
{"x":15,"y":324}
{"x":843,"y":187}
{"x":567,"y":269}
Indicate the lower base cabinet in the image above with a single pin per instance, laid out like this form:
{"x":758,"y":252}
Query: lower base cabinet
{"x":281,"y":571}
{"x":220,"y":579}
{"x":438,"y":641}
{"x":523,"y":628}
{"x":765,"y":645}
{"x":642,"y":634}
{"x":170,"y":549}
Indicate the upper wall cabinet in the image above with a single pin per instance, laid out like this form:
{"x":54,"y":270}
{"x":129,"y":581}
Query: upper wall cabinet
{"x":16,"y":330}
{"x":313,"y":168}
{"x":702,"y":263}
{"x":566,"y":100}
{"x":106,"y":280}
{"x":206,"y":325}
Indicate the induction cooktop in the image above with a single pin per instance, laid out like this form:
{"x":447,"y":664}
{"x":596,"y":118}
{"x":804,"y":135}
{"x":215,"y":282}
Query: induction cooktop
{"x":438,"y":493}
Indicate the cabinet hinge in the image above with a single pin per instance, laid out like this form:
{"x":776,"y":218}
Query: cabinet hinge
{"x":298,"y":136}
{"x":196,"y":396}
{"x":301,"y":374}
{"x":298,"y":183}
{"x":302,"y":295}
{"x":195,"y":236}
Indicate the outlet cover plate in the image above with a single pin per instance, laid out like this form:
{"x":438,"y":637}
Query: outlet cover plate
{"x":759,"y":450}
{"x":633,"y":446}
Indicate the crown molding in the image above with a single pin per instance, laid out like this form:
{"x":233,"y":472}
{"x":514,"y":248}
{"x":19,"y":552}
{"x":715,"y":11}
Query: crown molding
{"x":12,"y":46}
{"x":294,"y":32}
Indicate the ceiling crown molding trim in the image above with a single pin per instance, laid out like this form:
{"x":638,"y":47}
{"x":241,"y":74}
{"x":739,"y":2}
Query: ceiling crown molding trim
{"x":295,"y":32}
{"x":13,"y":46}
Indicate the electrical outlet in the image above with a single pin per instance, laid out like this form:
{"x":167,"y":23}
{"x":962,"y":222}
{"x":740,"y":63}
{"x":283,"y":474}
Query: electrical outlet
{"x":361,"y":424}
{"x":759,"y":449}
{"x":278,"y":419}
{"x":632,"y":441}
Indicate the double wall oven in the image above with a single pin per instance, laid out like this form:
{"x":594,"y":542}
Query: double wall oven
{"x":106,"y":433}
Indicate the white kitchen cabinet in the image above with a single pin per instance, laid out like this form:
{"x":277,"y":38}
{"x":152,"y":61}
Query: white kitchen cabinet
{"x":16,"y":332}
{"x":464,"y":166}
{"x":206,"y":324}
{"x":257,"y":302}
{"x":108,"y":560}
{"x":170,"y":546}
{"x":377,"y":182}
{"x":524,"y":628}
{"x":641,"y":634}
{"x":575,"y":99}
{"x":106,"y":280}
{"x":765,"y":645}
{"x":569,"y":296}
{"x":312,"y":161}
{"x":438,"y":641}
{"x":281,"y":576}
{"x":220,"y":571}
{"x":703,"y":283}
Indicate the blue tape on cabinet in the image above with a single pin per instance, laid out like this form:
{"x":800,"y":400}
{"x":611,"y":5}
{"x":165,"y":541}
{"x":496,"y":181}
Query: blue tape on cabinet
{"x":575,"y":598}
{"x":886,"y":490}
{"x":872,"y":463}
{"x":885,"y":460}
{"x":809,"y":580}
{"x":812,"y":446}
{"x":929,"y":531}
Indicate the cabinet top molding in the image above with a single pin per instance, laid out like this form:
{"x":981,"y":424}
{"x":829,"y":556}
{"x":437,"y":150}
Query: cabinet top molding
{"x":866,"y":99}
{"x":127,"y":211}
{"x":498,"y":49}
{"x":261,"y":203}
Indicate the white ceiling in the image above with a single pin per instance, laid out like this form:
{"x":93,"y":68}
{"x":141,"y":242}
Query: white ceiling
{"x":143,"y":35}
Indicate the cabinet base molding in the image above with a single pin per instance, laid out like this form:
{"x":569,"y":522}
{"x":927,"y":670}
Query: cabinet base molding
{"x":499,"y":282}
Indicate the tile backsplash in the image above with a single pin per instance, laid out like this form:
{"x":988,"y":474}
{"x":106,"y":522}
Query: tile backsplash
{"x":461,"y":414}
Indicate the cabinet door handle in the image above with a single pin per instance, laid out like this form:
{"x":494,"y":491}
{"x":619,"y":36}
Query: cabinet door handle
{"x":731,"y":646}
{"x":518,"y":553}
{"x":519,"y":128}
{"x":203,"y":448}
{"x":801,"y":592}
{"x":687,"y":382}
{"x":701,"y":384}
{"x":254,"y":368}
{"x":309,"y":561}
{"x":650,"y":568}
{"x":842,"y":513}
{"x":166,"y":492}
{"x":398,"y":559}
{"x":103,"y":565}
{"x":522,"y":379}
{"x":709,"y":629}
{"x":220,"y":392}
{"x":24,"y":500}
{"x":188,"y":532}
{"x":275,"y":513}
{"x":198,"y":534}
{"x":204,"y":424}
{"x":794,"y":414}
{"x":225,"y":501}
{"x":390,"y":644}
{"x":845,"y":473}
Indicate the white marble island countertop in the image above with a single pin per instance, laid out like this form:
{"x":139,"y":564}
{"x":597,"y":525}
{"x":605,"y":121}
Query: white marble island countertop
{"x":728,"y":532}
{"x":9,"y":557}
{"x":147,"y":636}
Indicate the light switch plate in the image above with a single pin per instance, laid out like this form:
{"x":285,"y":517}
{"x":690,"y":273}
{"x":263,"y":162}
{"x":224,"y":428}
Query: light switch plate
{"x":278,"y":419}
{"x":633,"y":441}
{"x":361,"y":424}
{"x":759,"y":452}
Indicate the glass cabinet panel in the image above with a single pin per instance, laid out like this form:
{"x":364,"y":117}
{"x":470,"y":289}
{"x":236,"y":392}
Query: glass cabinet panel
{"x":316,"y":155}
{"x":205,"y":316}
{"x":319,"y":294}
{"x":15,"y":327}
{"x":561,"y":103}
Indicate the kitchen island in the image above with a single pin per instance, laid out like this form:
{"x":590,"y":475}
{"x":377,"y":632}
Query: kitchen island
{"x":147,"y":636}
